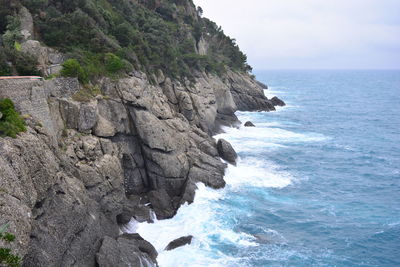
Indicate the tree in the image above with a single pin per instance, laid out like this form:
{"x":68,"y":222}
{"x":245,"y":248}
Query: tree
{"x":113,"y":63}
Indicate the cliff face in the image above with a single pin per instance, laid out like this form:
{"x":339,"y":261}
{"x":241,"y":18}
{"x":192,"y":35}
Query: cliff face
{"x":96,"y":156}
{"x":83,"y":168}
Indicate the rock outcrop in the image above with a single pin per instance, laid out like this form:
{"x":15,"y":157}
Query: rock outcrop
{"x":277,"y":102}
{"x":249,"y":124}
{"x":226,"y":151}
{"x":248,"y":94}
{"x":126,"y":251}
{"x":179,"y":242}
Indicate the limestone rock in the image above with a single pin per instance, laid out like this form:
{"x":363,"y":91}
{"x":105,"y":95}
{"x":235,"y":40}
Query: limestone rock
{"x":126,"y":251}
{"x":248,"y":94}
{"x":161,"y":203}
{"x":179,"y":242}
{"x":226,"y":151}
{"x":277,"y":102}
{"x":262,"y":85}
{"x":95,"y":165}
{"x":249,"y":124}
{"x":87,"y":116}
{"x":104,"y":128}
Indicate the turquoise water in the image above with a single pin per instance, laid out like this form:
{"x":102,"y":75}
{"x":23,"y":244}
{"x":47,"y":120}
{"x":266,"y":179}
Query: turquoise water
{"x":317,"y":183}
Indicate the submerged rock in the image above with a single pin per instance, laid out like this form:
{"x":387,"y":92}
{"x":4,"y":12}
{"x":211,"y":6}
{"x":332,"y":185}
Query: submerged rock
{"x":179,"y":242}
{"x":277,"y":102}
{"x":249,"y":124}
{"x":226,"y":151}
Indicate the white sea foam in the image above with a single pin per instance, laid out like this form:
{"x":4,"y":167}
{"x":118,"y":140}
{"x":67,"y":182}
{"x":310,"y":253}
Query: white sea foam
{"x":240,"y":137}
{"x":258,"y":173}
{"x":206,"y":218}
{"x":202,"y":220}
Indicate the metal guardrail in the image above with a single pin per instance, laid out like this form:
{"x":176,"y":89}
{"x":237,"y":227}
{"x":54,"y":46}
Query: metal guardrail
{"x":20,"y":77}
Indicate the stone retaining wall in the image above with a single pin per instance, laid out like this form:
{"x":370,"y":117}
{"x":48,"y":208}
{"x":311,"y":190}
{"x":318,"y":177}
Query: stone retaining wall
{"x":31,"y":96}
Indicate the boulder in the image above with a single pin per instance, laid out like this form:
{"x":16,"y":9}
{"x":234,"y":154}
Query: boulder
{"x":226,"y":151}
{"x":126,"y":250}
{"x":277,"y":102}
{"x":179,"y":242}
{"x":249,"y":124}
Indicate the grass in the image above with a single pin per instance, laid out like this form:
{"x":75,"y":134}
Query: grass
{"x":87,"y":93}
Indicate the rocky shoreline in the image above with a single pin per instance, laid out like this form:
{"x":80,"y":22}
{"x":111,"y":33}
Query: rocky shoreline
{"x":83,"y":169}
{"x":89,"y":163}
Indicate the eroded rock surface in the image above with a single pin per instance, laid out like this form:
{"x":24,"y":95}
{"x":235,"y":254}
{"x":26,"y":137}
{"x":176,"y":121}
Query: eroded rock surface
{"x":126,"y":251}
{"x":179,"y":242}
{"x":277,"y":102}
{"x":226,"y":151}
{"x":84,"y":168}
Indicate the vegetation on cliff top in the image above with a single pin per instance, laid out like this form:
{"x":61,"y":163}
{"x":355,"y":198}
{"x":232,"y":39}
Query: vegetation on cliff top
{"x":145,"y":35}
{"x":11,"y":122}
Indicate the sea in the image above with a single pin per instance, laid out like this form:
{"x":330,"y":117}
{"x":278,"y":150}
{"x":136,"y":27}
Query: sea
{"x":317,"y":182}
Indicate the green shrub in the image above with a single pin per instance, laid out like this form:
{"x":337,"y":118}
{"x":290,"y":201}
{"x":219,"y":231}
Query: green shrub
{"x":72,"y":68}
{"x":113,"y":63}
{"x":6,"y":256}
{"x":17,"y":46}
{"x":11,"y":122}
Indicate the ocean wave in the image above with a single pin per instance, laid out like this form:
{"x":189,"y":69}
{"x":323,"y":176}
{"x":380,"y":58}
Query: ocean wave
{"x":204,"y":220}
{"x":240,"y":137}
{"x":212,"y":217}
{"x":257,"y":173}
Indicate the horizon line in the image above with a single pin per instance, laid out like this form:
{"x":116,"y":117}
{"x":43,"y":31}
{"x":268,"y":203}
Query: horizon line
{"x":327,"y":69}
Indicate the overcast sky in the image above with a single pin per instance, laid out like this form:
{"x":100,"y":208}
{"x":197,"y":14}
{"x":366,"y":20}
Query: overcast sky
{"x":332,"y":34}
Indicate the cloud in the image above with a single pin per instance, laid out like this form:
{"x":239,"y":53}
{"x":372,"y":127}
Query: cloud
{"x":312,"y":33}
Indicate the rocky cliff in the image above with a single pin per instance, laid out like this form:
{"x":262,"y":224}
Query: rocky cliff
{"x":96,"y":156}
{"x":84,"y":168}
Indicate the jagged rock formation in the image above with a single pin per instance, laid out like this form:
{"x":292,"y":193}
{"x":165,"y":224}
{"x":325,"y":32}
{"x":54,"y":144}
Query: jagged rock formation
{"x":86,"y":166}
{"x":125,"y":251}
{"x":82,"y":166}
{"x":248,"y":95}
{"x":277,"y":102}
